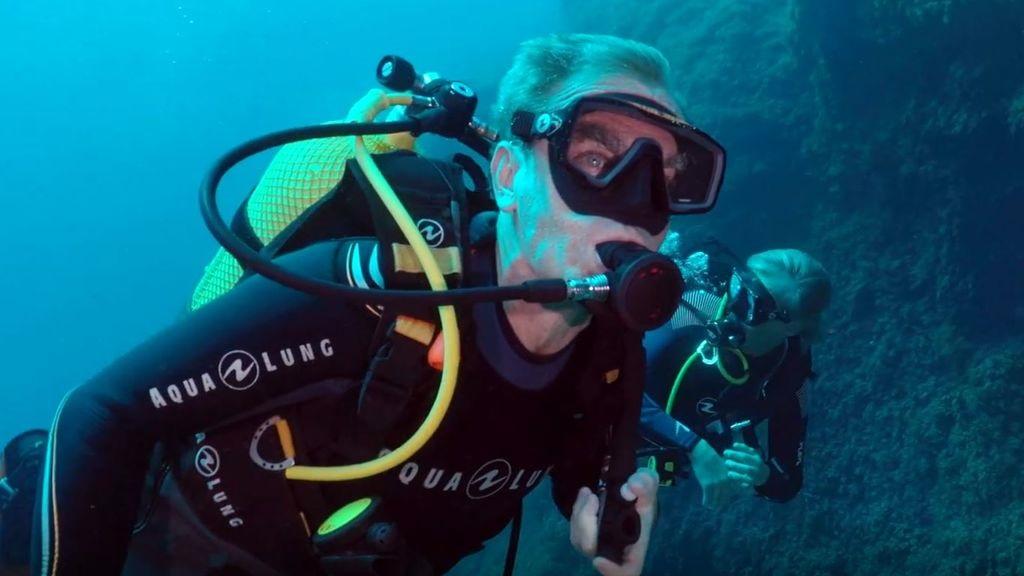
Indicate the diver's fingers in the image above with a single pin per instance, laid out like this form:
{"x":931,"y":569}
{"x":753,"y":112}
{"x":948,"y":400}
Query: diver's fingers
{"x":747,"y":455}
{"x":583,"y":524}
{"x":743,"y":447}
{"x":591,"y":506}
{"x":643,"y":484}
{"x":632,"y":560}
{"x":740,"y":467}
{"x":581,"y":499}
{"x":606,"y":567}
{"x":745,"y":480}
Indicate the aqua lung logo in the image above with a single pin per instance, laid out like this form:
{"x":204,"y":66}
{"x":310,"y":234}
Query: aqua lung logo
{"x":461,"y":89}
{"x":240,"y":370}
{"x":431,"y":230}
{"x":207,"y":463}
{"x":546,"y":124}
{"x":707,"y":406}
{"x":489,"y":479}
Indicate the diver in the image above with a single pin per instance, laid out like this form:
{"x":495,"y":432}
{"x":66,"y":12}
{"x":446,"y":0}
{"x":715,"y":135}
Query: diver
{"x":191,"y":454}
{"x":727,"y":375}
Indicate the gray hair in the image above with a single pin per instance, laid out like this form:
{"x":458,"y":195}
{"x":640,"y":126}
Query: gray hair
{"x":799,"y":283}
{"x":547,"y":69}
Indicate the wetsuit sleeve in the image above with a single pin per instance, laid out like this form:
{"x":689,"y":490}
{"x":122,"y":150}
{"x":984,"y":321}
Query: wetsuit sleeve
{"x":222,"y":360}
{"x":661,"y":430}
{"x":787,"y":428}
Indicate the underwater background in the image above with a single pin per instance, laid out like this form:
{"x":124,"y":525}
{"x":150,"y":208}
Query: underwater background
{"x":885,"y":137}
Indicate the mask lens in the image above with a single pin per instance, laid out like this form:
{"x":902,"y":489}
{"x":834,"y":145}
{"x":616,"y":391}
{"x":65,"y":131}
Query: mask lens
{"x":600,"y":139}
{"x":741,"y":301}
{"x":693,"y":175}
{"x":751,"y":309}
{"x":602,"y":134}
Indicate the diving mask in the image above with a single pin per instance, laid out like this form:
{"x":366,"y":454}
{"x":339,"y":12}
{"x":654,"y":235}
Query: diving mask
{"x":751,"y":303}
{"x":627,"y":158}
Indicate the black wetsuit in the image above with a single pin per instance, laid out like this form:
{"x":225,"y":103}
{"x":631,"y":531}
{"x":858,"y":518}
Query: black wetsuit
{"x":707,"y":404}
{"x":209,"y":386}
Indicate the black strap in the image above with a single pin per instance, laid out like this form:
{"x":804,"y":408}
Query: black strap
{"x":397,"y":370}
{"x":513,"y":540}
{"x":480,"y":198}
{"x":432,"y":193}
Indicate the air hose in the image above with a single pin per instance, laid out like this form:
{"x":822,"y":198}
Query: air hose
{"x":449,"y":327}
{"x":736,"y":381}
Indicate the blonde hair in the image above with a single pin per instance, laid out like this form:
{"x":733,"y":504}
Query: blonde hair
{"x":547,"y":69}
{"x":799,"y":284}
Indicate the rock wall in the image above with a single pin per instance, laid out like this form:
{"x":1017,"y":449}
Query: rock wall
{"x":887,"y":139}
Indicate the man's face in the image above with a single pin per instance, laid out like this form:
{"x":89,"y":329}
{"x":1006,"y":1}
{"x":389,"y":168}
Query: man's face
{"x":554,"y":240}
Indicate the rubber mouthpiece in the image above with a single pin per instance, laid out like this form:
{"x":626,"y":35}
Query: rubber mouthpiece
{"x":645,"y":286}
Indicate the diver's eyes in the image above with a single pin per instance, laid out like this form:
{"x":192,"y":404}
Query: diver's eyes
{"x":675,"y":166}
{"x":592,"y":160}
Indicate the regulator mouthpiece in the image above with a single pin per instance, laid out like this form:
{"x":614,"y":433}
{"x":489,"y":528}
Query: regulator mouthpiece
{"x":726,"y":332}
{"x":642,"y":288}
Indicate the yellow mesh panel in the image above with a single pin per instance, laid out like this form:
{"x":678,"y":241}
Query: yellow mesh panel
{"x":300,"y":174}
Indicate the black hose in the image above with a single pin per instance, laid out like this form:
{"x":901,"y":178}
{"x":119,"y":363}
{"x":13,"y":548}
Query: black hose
{"x":535,"y":291}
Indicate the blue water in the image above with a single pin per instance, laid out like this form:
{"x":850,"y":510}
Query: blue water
{"x":111,"y":112}
{"x":885,"y":137}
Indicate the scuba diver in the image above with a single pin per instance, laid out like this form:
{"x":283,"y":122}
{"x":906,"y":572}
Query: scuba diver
{"x":727,"y":375}
{"x":284,"y":429}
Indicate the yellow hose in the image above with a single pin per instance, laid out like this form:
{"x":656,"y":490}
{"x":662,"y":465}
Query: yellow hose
{"x":449,"y":325}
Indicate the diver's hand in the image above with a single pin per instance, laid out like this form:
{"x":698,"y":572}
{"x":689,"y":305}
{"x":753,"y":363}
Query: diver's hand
{"x":643,"y":484}
{"x":719,"y":485}
{"x":746,"y":465}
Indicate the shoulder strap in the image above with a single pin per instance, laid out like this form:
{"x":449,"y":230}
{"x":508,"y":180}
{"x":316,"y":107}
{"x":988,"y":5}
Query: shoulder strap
{"x":398,"y":370}
{"x":433,"y":194}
